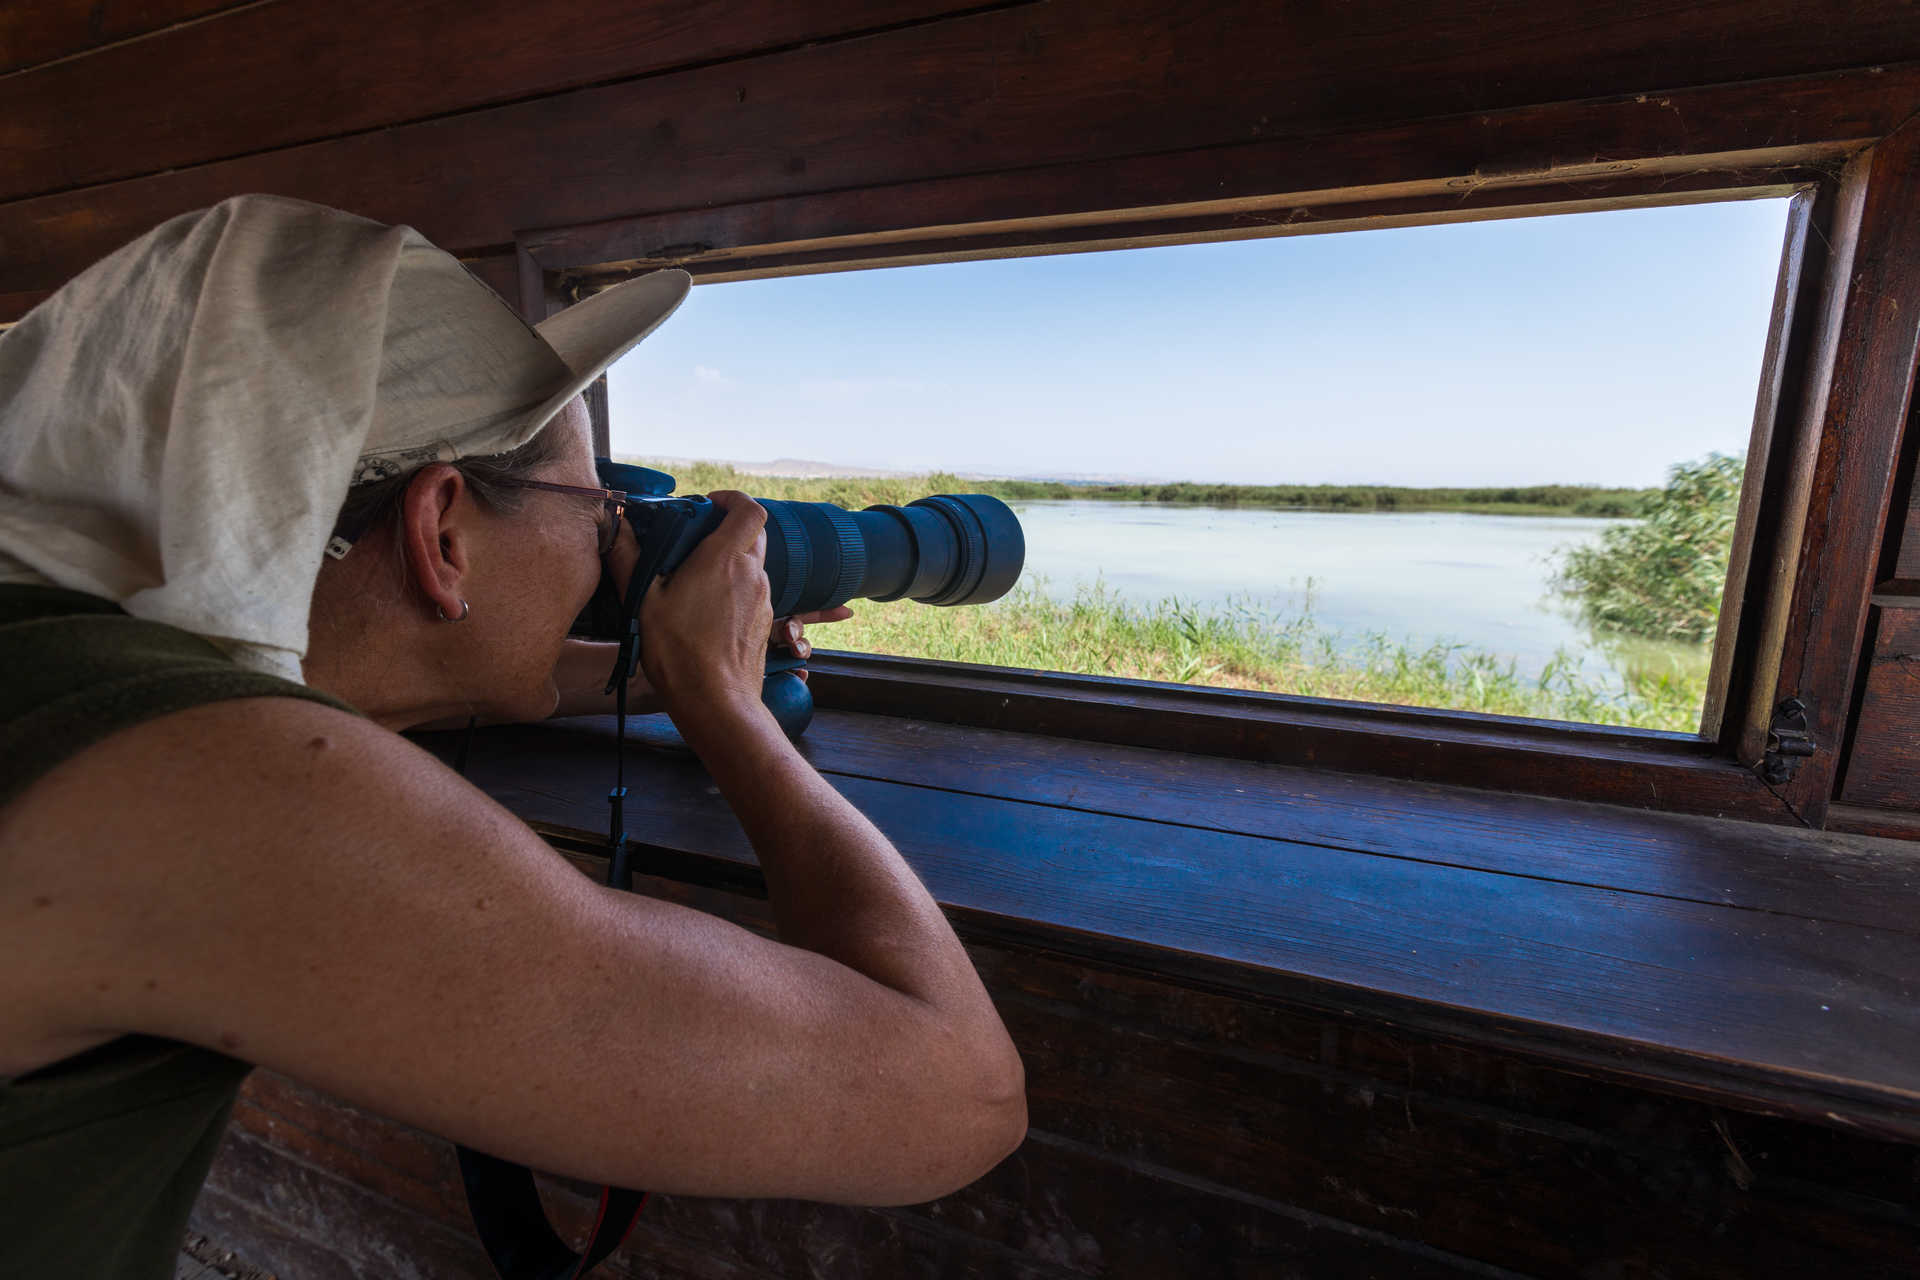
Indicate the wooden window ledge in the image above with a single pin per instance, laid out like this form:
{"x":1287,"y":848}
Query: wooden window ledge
{"x":1769,"y":968}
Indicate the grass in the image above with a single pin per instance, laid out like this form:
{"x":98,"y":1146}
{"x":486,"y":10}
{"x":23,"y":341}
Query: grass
{"x":1097,"y":633}
{"x":865,"y":491}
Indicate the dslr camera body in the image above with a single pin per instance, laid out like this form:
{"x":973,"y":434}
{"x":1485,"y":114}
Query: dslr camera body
{"x":944,"y":549}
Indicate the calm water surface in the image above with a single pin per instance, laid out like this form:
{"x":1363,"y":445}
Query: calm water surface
{"x":1419,"y":578}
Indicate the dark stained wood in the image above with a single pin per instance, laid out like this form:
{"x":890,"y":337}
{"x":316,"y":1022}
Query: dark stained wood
{"x":1908,"y":565}
{"x":271,"y":76}
{"x":37,"y":31}
{"x":1002,"y":90}
{"x":1314,"y":213}
{"x":1122,"y":1066}
{"x":1885,"y":823}
{"x":1614,"y":766}
{"x":500,"y":272}
{"x":1767,"y":1008}
{"x":296,"y":1220}
{"x":1177,"y":1131}
{"x":1883,"y":768}
{"x":1722,"y":128}
{"x":1752,"y":537}
{"x":1877,"y":297}
{"x":1749,"y":865}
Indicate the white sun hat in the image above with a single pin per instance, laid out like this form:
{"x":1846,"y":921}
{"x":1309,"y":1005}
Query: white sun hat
{"x":180,"y":423}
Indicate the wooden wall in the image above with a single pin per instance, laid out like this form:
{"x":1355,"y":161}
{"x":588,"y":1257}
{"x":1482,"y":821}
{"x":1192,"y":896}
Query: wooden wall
{"x":1176,"y":1132}
{"x":1881,"y":786}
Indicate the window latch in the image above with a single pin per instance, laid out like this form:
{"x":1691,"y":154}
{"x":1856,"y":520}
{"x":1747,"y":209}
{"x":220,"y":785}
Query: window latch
{"x":1789,"y":741}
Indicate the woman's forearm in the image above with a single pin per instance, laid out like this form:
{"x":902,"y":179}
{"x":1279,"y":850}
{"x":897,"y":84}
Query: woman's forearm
{"x":836,"y":884}
{"x":581,"y":677}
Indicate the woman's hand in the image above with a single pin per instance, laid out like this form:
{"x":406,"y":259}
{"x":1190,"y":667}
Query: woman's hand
{"x":584,"y":667}
{"x":703,"y":631}
{"x":791,"y":633}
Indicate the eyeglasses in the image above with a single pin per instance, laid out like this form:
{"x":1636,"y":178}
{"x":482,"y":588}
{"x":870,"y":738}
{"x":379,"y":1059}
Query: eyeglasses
{"x":612,"y":501}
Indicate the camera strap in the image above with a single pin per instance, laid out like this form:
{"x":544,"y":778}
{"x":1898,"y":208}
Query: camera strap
{"x":501,"y":1195}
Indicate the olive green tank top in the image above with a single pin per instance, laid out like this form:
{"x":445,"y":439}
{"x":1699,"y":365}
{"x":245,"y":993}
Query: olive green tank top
{"x":103,"y":1153}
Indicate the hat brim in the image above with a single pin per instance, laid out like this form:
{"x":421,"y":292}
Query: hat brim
{"x":594,"y":332}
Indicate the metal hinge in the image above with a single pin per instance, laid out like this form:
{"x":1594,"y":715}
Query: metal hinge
{"x":1788,"y":742}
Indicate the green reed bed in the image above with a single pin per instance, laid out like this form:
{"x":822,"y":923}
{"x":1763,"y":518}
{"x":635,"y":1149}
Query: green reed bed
{"x":1097,"y":633}
{"x":865,"y":491}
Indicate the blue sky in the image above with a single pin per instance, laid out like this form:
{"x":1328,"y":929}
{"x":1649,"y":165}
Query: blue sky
{"x":1590,"y":348}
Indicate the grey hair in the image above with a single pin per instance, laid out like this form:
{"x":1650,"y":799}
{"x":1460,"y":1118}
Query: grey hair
{"x":369,"y":506}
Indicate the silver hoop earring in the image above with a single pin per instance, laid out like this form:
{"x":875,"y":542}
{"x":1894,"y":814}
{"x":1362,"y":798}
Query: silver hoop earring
{"x":465,"y":609}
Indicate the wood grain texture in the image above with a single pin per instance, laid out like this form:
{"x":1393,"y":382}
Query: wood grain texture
{"x":1176,"y":1131}
{"x":1748,"y":865}
{"x":1729,"y":682}
{"x":37,"y":31}
{"x":500,"y":272}
{"x":1000,"y":90}
{"x":1613,"y":766}
{"x":1862,"y":410}
{"x":1907,"y":566}
{"x":1718,"y":128}
{"x":271,"y":76}
{"x":1883,"y":768}
{"x":1758,"y":1004}
{"x":297,"y":1219}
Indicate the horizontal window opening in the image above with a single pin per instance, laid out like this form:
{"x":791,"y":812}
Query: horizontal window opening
{"x":1490,"y":466}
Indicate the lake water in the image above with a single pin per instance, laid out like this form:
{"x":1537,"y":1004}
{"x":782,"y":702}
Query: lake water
{"x":1419,"y":578}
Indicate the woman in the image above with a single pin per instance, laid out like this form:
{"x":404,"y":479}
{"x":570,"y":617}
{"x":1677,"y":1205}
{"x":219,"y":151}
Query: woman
{"x":217,"y":851}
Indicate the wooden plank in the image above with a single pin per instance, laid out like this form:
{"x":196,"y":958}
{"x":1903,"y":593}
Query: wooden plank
{"x":269,"y":76}
{"x":1862,"y":408}
{"x":500,"y":272}
{"x":294,"y":1219}
{"x":1401,"y":1152}
{"x":41,"y":31}
{"x":1733,"y":644}
{"x":1768,"y":1000}
{"x":1765,"y":868}
{"x":1002,"y":90}
{"x":1883,"y":767}
{"x":1885,"y":823}
{"x":1907,"y":567}
{"x":1313,"y":213}
{"x":1063,"y":1209}
{"x":1812,"y":875}
{"x":408,"y":1167}
{"x":1606,"y":765}
{"x":1720,"y":128}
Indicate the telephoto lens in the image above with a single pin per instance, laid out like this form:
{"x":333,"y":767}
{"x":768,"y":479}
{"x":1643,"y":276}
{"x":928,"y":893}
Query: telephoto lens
{"x":950,"y":548}
{"x":946,"y":549}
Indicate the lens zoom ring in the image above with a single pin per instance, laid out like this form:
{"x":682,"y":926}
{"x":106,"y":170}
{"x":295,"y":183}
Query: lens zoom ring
{"x":788,"y":577}
{"x":972,"y":560}
{"x":853,"y":554}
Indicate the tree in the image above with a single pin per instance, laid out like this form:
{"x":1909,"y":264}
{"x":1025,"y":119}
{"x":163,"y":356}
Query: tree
{"x":1663,"y":575}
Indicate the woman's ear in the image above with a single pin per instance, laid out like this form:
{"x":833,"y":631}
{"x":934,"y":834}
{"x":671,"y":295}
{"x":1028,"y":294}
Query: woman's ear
{"x":436,"y":537}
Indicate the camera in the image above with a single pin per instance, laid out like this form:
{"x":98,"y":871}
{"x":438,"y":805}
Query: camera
{"x":944,"y":549}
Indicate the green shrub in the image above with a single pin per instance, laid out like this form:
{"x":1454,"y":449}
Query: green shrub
{"x":1662,"y":576}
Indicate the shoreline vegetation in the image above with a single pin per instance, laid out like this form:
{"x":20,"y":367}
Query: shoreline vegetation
{"x":866,"y":491}
{"x":1678,"y":538}
{"x":1098,"y":633}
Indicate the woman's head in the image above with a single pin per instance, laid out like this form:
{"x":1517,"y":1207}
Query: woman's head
{"x":457,"y":597}
{"x":180,"y":423}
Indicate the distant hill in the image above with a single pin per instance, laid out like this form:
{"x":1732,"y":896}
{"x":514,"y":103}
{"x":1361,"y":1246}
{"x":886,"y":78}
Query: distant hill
{"x":813,"y":469}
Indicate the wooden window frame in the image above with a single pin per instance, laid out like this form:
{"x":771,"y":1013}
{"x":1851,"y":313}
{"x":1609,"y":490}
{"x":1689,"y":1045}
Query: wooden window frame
{"x":1833,"y":395}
